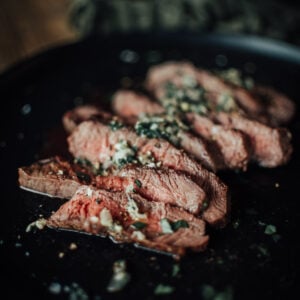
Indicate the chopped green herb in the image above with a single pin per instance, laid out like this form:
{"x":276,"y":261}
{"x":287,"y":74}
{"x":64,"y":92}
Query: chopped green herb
{"x":115,"y":125}
{"x":175,"y":270}
{"x":205,"y":205}
{"x":179,"y":224}
{"x":234,"y":76}
{"x":261,"y":223}
{"x":124,"y":154}
{"x":236,"y":224}
{"x":270,"y":229}
{"x":83,"y":177}
{"x":83,"y":162}
{"x":139,"y":225}
{"x":210,"y":293}
{"x":159,"y":126}
{"x":138,"y":183}
{"x":262,"y":250}
{"x":163,"y":289}
{"x":169,"y":227}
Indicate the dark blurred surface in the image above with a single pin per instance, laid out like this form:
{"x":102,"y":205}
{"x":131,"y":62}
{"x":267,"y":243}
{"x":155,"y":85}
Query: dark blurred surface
{"x":30,"y":26}
{"x":276,"y":19}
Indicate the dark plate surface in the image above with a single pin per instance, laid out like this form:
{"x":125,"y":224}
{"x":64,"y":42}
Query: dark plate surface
{"x":242,"y":260}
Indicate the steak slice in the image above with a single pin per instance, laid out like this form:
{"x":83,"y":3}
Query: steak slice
{"x":160,"y":74}
{"x":82,"y":113}
{"x":129,"y":218}
{"x":280,"y":108}
{"x":130,"y":106}
{"x":232,"y":143}
{"x":96,"y":142}
{"x":246,"y":99}
{"x":256,"y":101}
{"x":161,"y":185}
{"x":271,"y":146}
{"x":54,"y":177}
{"x":175,"y":71}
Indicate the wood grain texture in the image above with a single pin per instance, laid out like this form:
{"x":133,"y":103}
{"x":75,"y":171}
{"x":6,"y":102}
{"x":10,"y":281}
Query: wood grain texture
{"x":30,"y":26}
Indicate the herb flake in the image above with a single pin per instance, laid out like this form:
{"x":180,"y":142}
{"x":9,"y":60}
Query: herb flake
{"x":139,"y":225}
{"x":270,"y":229}
{"x":138,"y":183}
{"x":162,"y":289}
{"x":175,"y":270}
{"x":120,"y":277}
{"x":179,"y":224}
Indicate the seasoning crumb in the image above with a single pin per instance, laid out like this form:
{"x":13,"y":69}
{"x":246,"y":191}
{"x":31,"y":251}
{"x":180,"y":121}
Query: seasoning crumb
{"x":153,"y":258}
{"x":175,"y":270}
{"x":75,"y":292}
{"x":18,"y":237}
{"x":73,"y":246}
{"x":18,"y":245}
{"x":39,"y":224}
{"x":27,"y":254}
{"x":236,"y":224}
{"x":270,"y":229}
{"x":61,"y":254}
{"x":162,"y":289}
{"x":120,"y":277}
{"x":54,"y":288}
{"x":60,"y":172}
{"x":277,"y":185}
{"x":209,"y":292}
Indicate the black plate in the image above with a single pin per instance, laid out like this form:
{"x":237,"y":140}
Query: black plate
{"x":242,"y":260}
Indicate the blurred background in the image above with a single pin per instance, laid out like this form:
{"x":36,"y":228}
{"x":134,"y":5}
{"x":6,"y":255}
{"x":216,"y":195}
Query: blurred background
{"x":30,"y":26}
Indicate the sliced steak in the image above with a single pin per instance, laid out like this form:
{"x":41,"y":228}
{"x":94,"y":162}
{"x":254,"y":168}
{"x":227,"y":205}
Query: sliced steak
{"x":82,"y":113}
{"x":129,"y":218}
{"x":160,"y":74}
{"x":280,"y":108}
{"x":175,"y":72}
{"x":96,"y":142}
{"x":161,"y":185}
{"x":232,"y":143}
{"x":129,"y":105}
{"x":54,"y":177}
{"x":246,"y":99}
{"x":259,"y":102}
{"x":271,"y":146}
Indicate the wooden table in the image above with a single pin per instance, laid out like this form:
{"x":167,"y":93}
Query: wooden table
{"x":30,"y":26}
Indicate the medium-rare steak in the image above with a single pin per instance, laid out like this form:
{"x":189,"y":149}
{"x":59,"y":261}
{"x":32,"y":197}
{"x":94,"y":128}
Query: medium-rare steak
{"x":257,"y":101}
{"x":280,"y":108}
{"x":130,"y":218}
{"x":233,"y":144}
{"x":202,"y":150}
{"x":99,"y":144}
{"x":82,"y":113}
{"x":271,"y":146}
{"x":129,"y":105}
{"x":54,"y":177}
{"x":218,"y":148}
{"x":58,"y":178}
{"x":161,"y":185}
